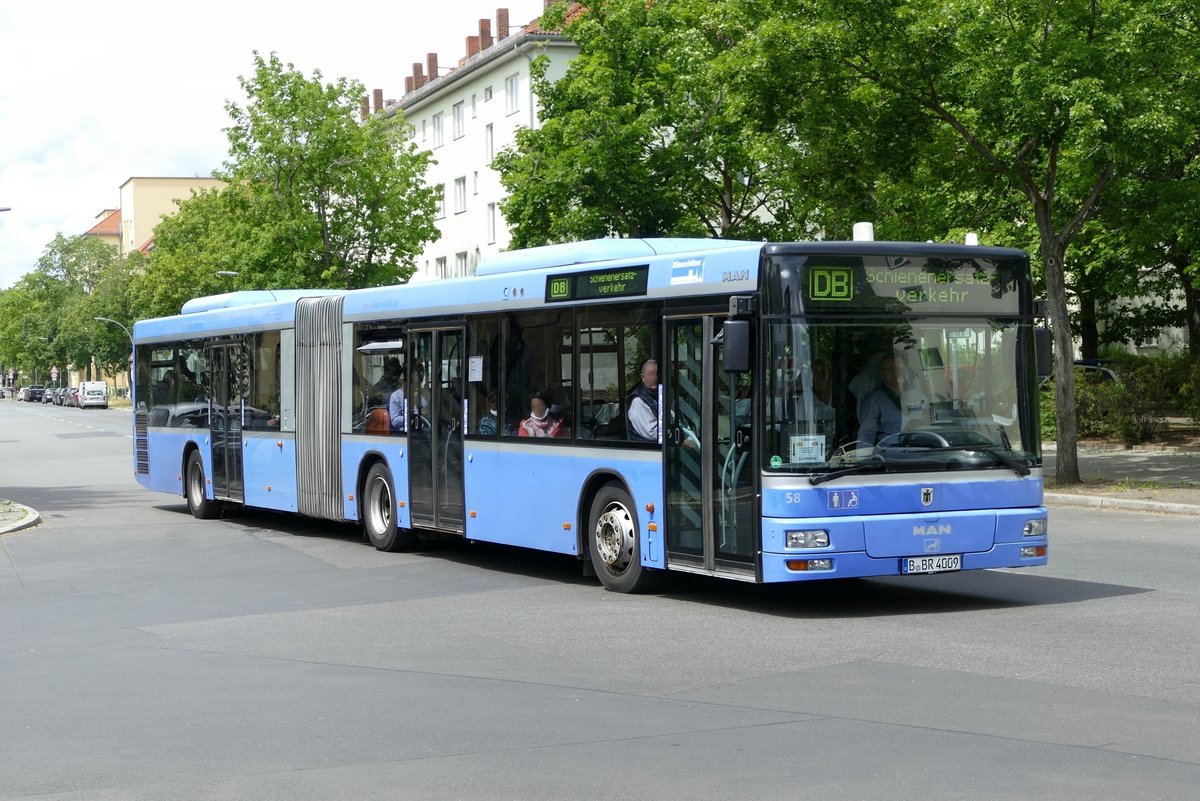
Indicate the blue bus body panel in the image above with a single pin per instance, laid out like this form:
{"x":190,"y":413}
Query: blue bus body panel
{"x":872,"y":527}
{"x":269,"y":470}
{"x":393,"y":451}
{"x":677,"y":268}
{"x":528,"y":494}
{"x":900,"y":494}
{"x":165,"y":448}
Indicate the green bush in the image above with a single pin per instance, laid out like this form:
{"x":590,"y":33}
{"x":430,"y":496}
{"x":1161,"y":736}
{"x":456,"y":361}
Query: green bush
{"x":1049,"y":415}
{"x":1135,"y":407}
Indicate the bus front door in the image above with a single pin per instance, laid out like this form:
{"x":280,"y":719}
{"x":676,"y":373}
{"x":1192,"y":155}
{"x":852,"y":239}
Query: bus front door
{"x":710,"y":488}
{"x":435,"y":428}
{"x":228,"y":364}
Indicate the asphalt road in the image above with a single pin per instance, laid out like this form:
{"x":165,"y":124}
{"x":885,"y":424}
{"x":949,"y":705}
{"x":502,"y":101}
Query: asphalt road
{"x":147,"y":655}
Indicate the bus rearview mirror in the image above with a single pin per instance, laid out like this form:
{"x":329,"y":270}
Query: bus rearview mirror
{"x":736,"y":355}
{"x":1044,"y":347}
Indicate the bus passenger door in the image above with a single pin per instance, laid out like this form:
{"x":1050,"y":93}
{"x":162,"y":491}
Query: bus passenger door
{"x":710,"y":488}
{"x":229,"y":367}
{"x":435,"y":428}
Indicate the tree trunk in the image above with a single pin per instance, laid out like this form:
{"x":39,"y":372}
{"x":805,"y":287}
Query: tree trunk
{"x":1089,"y":334}
{"x":1053,"y":249}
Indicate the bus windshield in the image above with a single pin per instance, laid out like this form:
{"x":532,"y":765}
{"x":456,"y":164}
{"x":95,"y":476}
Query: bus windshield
{"x":899,"y":394}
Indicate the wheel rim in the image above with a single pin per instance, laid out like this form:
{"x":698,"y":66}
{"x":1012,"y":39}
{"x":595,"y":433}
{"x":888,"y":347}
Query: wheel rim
{"x":615,"y":536}
{"x":379,"y":507}
{"x":195,"y":484}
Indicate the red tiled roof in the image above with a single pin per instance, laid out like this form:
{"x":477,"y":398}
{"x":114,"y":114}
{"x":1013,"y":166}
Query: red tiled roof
{"x":574,"y":12}
{"x":109,"y":226}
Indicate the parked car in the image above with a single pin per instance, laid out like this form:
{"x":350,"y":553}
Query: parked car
{"x":1093,"y":369}
{"x":58,"y":395}
{"x":48,"y":396}
{"x":93,"y":393}
{"x":34,"y":392}
{"x":71,"y":398}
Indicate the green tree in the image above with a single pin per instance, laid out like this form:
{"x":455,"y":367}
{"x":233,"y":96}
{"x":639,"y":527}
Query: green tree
{"x":314,"y":197}
{"x":1054,"y":102}
{"x":641,"y":137}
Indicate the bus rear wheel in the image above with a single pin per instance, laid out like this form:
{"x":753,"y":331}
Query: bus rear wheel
{"x":615,"y":543}
{"x":379,"y":512}
{"x":199,"y":504}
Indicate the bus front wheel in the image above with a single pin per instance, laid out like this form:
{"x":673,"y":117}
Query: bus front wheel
{"x":199,"y":504}
{"x":615,"y":543}
{"x":379,"y":512}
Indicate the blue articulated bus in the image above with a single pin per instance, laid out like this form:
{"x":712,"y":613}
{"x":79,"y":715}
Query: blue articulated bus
{"x":760,"y":412}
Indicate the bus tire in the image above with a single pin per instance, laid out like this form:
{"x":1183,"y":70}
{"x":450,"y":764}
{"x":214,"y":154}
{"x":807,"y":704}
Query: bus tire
{"x":615,"y":542}
{"x":379,"y":512}
{"x":199,"y":504}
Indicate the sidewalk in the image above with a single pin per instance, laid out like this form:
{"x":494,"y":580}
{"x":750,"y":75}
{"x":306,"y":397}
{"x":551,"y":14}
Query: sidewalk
{"x":1148,"y":478}
{"x":14,"y":517}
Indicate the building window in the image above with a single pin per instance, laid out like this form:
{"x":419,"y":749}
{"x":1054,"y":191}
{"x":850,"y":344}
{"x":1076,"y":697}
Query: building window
{"x":487,"y":94}
{"x":440,"y":268}
{"x":460,"y":195}
{"x":441,"y":201}
{"x":472,"y":106}
{"x":475,"y":183}
{"x":489,"y":143}
{"x":423,"y":130}
{"x":459,"y":124}
{"x":512,"y":98}
{"x":437,"y":130}
{"x":460,"y":264}
{"x":491,"y":223}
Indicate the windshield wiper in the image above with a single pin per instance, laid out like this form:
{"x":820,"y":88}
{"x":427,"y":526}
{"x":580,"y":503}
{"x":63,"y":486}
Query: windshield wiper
{"x":1020,"y":468}
{"x":876,"y":462}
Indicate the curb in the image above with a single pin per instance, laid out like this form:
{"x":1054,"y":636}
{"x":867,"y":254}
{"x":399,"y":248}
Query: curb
{"x":31,"y":518}
{"x":1126,"y":504}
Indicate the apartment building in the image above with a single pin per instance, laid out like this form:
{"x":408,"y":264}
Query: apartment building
{"x":464,"y":116}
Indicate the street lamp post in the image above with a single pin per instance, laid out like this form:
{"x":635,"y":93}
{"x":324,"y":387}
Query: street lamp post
{"x":130,"y":335}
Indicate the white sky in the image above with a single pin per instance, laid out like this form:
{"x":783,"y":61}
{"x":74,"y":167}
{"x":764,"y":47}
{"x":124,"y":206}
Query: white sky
{"x":94,"y":93}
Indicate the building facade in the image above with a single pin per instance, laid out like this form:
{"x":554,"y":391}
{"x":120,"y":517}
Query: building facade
{"x":144,"y":201}
{"x":466,"y":116}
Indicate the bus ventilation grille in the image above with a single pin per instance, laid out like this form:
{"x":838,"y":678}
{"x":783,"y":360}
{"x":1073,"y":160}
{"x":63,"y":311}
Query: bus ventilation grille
{"x":141,"y":443}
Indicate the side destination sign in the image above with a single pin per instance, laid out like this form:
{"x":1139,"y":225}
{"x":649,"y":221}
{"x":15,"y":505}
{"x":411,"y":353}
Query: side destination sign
{"x":618,"y":282}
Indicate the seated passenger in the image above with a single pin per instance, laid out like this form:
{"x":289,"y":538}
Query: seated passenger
{"x":643,"y":405}
{"x":540,"y":422}
{"x":489,"y":424}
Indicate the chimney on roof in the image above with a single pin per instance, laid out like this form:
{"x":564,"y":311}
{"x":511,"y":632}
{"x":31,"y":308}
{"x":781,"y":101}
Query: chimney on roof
{"x":378,"y":100}
{"x":472,"y":46}
{"x":418,"y":75}
{"x":431,"y":62}
{"x":485,"y":34}
{"x":408,"y":84}
{"x":501,"y":23}
{"x":364,"y":108}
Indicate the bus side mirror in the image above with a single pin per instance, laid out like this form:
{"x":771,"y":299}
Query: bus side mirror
{"x":736,"y":356}
{"x":1044,"y":348}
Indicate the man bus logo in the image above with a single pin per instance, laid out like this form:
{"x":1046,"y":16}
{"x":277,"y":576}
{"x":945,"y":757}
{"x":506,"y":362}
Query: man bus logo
{"x":927,"y":496}
{"x":932,"y":530}
{"x":831,"y":283}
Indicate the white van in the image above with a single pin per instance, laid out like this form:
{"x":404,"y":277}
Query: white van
{"x":93,"y":393}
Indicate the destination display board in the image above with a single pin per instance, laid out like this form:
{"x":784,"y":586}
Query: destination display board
{"x":893,"y":284}
{"x":612,"y":282}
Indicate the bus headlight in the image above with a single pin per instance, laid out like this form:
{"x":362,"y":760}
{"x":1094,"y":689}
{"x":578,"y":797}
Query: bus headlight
{"x":1035,"y":528}
{"x":807,"y":539}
